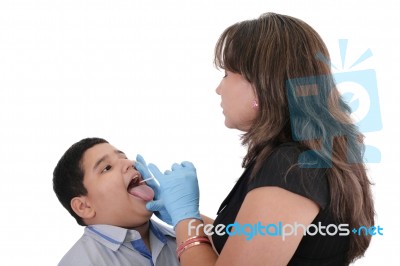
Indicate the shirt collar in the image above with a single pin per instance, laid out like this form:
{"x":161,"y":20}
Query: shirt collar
{"x":113,"y":236}
{"x":158,"y":232}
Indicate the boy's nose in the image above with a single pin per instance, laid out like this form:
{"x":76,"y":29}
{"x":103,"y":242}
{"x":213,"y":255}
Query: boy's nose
{"x":127,"y":164}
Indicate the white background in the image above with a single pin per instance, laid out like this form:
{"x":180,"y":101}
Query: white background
{"x":140,"y":74}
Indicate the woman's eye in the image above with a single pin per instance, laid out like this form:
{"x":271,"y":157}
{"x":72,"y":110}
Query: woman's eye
{"x":106,"y":169}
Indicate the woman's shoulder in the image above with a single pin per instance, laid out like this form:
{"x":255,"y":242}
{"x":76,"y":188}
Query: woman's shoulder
{"x":292,"y":154}
{"x":288,"y":149}
{"x":284,"y":169}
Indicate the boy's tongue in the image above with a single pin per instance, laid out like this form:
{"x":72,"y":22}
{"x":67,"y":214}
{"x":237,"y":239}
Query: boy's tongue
{"x":144,"y":192}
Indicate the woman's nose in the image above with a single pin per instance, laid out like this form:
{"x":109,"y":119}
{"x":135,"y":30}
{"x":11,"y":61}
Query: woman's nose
{"x":218,"y":89}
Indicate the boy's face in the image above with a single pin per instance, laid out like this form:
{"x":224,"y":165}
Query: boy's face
{"x":109,"y":178}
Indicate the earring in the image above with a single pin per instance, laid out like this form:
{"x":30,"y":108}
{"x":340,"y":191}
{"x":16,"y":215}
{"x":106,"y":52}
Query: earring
{"x":255,"y":104}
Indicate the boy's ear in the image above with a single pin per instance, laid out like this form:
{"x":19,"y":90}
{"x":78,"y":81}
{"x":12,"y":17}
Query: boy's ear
{"x":82,"y":207}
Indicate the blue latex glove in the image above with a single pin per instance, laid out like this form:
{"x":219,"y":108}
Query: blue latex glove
{"x":157,"y":204}
{"x":179,"y":190}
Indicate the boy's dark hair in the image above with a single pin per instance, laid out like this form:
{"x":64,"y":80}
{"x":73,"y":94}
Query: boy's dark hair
{"x":68,"y":174}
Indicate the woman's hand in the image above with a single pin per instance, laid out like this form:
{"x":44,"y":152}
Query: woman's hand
{"x":157,"y":204}
{"x":178,"y":191}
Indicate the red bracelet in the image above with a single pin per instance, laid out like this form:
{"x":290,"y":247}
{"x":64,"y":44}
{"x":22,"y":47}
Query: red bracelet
{"x":191,"y":242}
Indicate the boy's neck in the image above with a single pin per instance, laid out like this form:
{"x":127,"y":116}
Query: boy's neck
{"x":144,"y":233}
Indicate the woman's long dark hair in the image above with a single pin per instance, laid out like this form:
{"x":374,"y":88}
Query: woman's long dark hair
{"x":285,"y":59}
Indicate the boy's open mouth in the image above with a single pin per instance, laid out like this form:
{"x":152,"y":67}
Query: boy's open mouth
{"x":135,"y":188}
{"x":134,"y":183}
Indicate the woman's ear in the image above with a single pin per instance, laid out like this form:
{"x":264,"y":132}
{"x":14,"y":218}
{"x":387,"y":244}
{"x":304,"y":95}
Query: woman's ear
{"x":82,"y":207}
{"x":255,"y":101}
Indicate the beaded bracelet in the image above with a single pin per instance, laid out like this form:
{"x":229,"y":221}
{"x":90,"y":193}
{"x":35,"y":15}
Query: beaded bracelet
{"x":191,"y":242}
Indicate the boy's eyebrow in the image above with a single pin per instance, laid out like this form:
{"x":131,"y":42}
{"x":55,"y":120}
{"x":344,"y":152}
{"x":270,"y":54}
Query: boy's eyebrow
{"x":102,"y":159}
{"x":120,"y":152}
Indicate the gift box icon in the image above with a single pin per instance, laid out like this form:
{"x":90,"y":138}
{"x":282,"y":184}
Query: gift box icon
{"x":360,"y":93}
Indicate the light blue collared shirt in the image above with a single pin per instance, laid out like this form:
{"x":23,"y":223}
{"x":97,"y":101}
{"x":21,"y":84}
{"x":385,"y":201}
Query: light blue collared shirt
{"x":115,"y":246}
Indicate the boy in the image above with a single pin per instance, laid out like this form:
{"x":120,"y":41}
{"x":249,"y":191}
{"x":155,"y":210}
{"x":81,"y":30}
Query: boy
{"x":101,"y":189}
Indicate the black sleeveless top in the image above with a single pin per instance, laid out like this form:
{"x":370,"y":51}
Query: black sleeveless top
{"x":280,"y":170}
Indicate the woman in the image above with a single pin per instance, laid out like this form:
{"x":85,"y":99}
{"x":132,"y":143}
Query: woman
{"x":303,"y":167}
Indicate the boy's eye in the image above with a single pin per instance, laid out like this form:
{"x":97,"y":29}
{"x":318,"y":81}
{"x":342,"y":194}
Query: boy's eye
{"x":107,"y":168}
